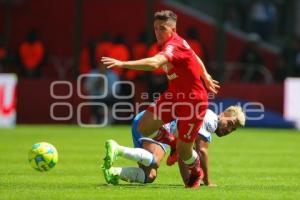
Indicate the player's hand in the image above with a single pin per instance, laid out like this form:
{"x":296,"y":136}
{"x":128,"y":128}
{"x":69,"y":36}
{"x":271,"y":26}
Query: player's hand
{"x":111,"y":62}
{"x":211,"y":84}
{"x":208,"y":184}
{"x":212,"y":185}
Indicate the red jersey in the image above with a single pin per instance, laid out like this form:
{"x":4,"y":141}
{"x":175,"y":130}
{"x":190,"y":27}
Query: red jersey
{"x":185,"y":70}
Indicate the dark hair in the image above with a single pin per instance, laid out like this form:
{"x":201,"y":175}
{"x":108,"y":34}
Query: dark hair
{"x":165,"y":15}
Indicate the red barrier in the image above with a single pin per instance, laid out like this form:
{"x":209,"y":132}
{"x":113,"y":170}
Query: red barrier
{"x":34,"y":99}
{"x":54,"y":20}
{"x":34,"y":102}
{"x":269,"y":95}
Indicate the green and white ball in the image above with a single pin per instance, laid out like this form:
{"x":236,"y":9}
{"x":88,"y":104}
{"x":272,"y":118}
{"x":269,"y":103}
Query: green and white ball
{"x":43,"y":156}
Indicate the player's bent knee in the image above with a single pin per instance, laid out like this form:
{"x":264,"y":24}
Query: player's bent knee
{"x":141,"y":128}
{"x":151,"y":176}
{"x":146,"y":129}
{"x":148,"y":125}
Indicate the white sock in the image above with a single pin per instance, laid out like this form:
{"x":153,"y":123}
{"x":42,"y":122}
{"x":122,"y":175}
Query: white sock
{"x":130,"y":174}
{"x":192,"y":159}
{"x":142,"y":156}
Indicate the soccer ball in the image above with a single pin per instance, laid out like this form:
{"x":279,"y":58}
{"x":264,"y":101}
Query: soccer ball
{"x":43,"y":156}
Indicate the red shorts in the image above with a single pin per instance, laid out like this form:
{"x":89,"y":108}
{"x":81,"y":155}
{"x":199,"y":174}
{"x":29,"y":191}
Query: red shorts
{"x":189,"y":111}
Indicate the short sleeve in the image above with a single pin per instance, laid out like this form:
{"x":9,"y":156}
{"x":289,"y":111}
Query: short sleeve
{"x":171,"y":52}
{"x":204,"y":133}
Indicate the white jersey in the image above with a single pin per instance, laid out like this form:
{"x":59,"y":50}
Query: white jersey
{"x":209,"y":125}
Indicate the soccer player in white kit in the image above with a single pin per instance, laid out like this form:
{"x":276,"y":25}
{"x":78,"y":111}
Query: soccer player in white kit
{"x":222,"y":125}
{"x":149,"y":153}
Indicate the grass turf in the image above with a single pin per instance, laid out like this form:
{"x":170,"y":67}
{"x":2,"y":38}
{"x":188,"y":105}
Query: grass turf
{"x":249,"y":164}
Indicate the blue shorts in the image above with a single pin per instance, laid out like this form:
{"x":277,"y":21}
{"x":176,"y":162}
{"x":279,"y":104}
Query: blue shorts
{"x":137,"y":138}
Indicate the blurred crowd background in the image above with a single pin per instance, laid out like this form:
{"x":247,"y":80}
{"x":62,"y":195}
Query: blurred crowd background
{"x":242,"y":42}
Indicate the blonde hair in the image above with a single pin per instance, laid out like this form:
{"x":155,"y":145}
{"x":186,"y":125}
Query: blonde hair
{"x":236,"y":111}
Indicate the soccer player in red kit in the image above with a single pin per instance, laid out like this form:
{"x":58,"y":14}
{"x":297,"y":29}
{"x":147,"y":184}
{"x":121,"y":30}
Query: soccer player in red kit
{"x":186,"y":96}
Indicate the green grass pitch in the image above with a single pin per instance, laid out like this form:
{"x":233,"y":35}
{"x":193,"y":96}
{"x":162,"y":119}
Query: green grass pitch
{"x":249,"y":164}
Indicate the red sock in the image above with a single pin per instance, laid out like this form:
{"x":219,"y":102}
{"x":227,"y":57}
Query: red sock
{"x":166,"y":137}
{"x":195,"y":167}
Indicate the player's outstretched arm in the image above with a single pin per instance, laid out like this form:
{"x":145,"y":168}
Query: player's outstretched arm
{"x":211,"y":84}
{"x":146,"y":64}
{"x":202,"y":150}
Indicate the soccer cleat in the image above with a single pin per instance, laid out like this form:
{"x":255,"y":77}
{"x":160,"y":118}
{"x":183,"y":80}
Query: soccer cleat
{"x":172,"y":158}
{"x":196,"y":176}
{"x":195,"y":180}
{"x":110,"y":176}
{"x":111,"y":148}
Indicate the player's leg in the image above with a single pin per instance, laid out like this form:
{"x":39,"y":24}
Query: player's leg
{"x":187,"y":133}
{"x":192,"y":160}
{"x":141,"y":174}
{"x":172,"y":157}
{"x":128,"y":174}
{"x":149,"y":124}
{"x":150,"y":173}
{"x":165,"y":137}
{"x":155,"y":117}
{"x":150,"y":157}
{"x":161,"y":110}
{"x":144,"y":152}
{"x":159,"y":152}
{"x":184,"y":171}
{"x":114,"y":150}
{"x":185,"y":149}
